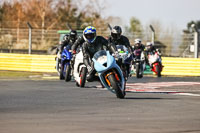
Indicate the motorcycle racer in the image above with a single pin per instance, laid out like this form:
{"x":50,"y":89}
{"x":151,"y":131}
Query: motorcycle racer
{"x":150,"y":49}
{"x":116,"y":38}
{"x":138,"y":45}
{"x":69,"y":39}
{"x":91,"y":45}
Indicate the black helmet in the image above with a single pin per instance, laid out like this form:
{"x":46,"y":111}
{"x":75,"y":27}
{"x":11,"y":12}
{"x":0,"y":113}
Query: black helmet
{"x":72,"y":35}
{"x":116,"y":32}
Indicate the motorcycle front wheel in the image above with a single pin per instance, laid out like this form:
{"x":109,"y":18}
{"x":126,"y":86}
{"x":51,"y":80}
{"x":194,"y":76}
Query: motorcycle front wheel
{"x":158,"y":71}
{"x":83,"y":75}
{"x":61,"y":73}
{"x":115,"y":86}
{"x":68,"y":73}
{"x":138,"y":75}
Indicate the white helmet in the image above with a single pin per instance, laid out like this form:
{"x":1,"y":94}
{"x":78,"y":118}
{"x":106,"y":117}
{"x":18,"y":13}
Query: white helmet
{"x":137,"y":41}
{"x":149,"y":44}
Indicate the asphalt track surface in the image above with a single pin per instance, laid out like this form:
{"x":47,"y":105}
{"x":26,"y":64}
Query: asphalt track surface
{"x":152,"y":105}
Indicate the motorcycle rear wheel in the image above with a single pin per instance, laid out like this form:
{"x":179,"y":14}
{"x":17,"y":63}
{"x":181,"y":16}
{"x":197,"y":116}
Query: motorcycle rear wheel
{"x":116,"y":87}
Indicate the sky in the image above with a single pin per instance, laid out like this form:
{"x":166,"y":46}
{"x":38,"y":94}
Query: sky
{"x":169,"y":12}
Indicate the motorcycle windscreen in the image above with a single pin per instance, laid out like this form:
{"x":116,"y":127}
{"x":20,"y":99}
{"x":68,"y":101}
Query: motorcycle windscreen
{"x":100,"y":56}
{"x":123,"y":51}
{"x":67,"y":54}
{"x":121,"y":48}
{"x":68,"y":47}
{"x":103,"y":61}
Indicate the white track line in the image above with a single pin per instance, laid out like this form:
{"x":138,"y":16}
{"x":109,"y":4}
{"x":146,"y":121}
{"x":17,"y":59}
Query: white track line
{"x":187,"y":94}
{"x":153,"y":87}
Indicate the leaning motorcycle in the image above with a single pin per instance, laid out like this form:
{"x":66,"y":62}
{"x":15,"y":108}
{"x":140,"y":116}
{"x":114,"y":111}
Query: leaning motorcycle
{"x":80,"y":70}
{"x":124,"y":60}
{"x":155,"y":62}
{"x":66,"y":56}
{"x":109,"y":73}
{"x":139,"y":63}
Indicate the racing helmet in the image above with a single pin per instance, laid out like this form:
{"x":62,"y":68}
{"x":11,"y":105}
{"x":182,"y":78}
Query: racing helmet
{"x":73,"y":35}
{"x":116,"y":32}
{"x":149,"y":45}
{"x":89,"y":34}
{"x":137,"y":43}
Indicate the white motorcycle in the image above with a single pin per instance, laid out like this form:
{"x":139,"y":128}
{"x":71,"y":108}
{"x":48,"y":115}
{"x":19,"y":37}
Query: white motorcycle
{"x":155,"y":62}
{"x":80,"y":70}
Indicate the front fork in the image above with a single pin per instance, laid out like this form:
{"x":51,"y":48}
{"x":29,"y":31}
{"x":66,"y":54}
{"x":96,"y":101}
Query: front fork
{"x":111,"y":73}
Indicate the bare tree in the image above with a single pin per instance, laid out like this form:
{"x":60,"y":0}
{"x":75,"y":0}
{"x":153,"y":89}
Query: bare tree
{"x":39,"y":10}
{"x":163,"y":35}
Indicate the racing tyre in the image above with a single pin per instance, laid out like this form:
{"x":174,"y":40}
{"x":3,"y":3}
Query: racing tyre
{"x":68,"y":73}
{"x":138,"y":71}
{"x":158,"y":71}
{"x":61,"y":74}
{"x":116,"y":87}
{"x":83,"y":75}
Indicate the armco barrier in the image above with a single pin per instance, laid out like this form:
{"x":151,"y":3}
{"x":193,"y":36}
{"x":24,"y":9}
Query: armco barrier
{"x":181,"y":66}
{"x":46,"y":63}
{"x":25,"y":62}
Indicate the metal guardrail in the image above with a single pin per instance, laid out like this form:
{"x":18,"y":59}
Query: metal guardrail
{"x":46,"y":63}
{"x":25,"y":62}
{"x":181,"y":66}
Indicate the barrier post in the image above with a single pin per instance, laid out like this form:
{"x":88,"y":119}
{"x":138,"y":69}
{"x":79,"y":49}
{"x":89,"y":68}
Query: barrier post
{"x":153,"y":34}
{"x":196,"y":41}
{"x":30,"y":37}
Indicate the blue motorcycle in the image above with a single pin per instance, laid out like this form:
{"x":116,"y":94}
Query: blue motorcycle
{"x":66,"y":56}
{"x":109,"y":73}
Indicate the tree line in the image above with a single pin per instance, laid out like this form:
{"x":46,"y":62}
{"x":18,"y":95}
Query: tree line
{"x":49,"y":14}
{"x":54,"y":14}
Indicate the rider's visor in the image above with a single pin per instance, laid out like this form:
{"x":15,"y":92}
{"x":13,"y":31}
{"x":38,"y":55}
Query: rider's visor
{"x":90,"y":36}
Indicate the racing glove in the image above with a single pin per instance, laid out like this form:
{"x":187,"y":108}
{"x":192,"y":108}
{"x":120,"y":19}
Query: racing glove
{"x":74,"y":51}
{"x":89,"y":68}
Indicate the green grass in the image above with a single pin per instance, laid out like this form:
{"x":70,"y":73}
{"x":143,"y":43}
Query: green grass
{"x":17,"y":74}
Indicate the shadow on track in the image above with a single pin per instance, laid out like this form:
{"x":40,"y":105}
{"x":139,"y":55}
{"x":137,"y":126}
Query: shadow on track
{"x":148,"y":98}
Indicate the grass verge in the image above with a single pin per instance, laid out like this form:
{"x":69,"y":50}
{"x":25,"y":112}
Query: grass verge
{"x":18,"y":74}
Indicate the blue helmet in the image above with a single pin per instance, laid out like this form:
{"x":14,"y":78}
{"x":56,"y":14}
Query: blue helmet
{"x":89,"y":34}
